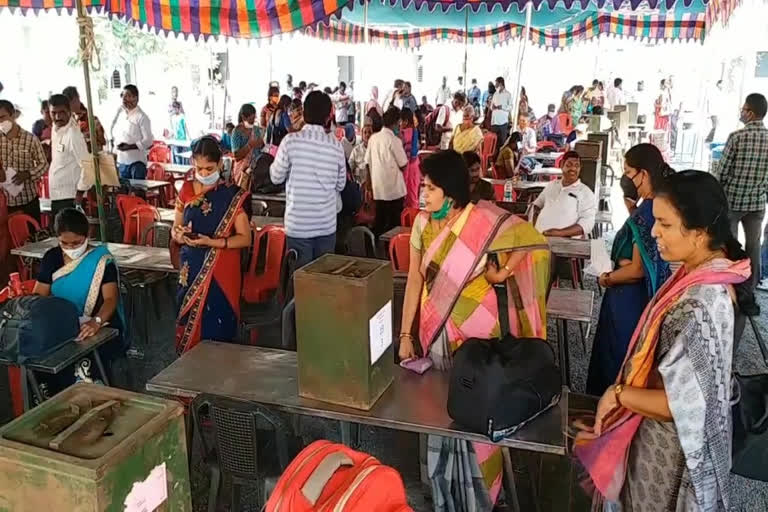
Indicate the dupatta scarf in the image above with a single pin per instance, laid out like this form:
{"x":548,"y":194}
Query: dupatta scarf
{"x":637,"y":231}
{"x":211,"y":213}
{"x":605,"y":458}
{"x":457,"y":296}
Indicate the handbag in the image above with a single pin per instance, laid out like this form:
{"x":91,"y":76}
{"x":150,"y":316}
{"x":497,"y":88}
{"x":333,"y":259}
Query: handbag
{"x":750,"y":427}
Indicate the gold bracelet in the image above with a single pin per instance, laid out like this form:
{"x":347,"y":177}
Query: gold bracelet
{"x":617,"y":390}
{"x":405,"y":335}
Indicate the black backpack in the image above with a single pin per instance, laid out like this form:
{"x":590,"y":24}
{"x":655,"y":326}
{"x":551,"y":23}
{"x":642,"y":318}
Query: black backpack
{"x":497,"y":386}
{"x":32,"y":327}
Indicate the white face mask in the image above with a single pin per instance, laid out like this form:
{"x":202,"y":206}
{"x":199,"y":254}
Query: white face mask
{"x":6,"y":127}
{"x":248,"y":125}
{"x":209,"y":180}
{"x":74,"y":254}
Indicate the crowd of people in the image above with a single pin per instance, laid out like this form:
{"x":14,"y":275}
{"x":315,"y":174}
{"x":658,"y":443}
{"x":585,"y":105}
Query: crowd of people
{"x":662,"y":357}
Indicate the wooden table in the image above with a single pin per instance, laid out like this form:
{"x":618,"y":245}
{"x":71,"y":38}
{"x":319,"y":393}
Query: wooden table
{"x":148,"y":184}
{"x":279,"y":197}
{"x":178,"y":142}
{"x":517,"y":185}
{"x":269,"y":376}
{"x":176,"y":168}
{"x":61,"y":360}
{"x":387,"y":236}
{"x":259,"y":221}
{"x":546,"y":158}
{"x":577,"y":248}
{"x":563,"y":305}
{"x":126,"y":256}
{"x":546,"y":172}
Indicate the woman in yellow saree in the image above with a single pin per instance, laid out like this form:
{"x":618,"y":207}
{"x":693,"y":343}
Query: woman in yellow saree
{"x":450,"y":285}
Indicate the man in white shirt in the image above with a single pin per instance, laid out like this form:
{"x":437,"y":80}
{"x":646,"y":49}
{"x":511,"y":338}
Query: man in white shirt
{"x":528,"y":133}
{"x":443,"y":93}
{"x":133,"y":137}
{"x":501,"y":106}
{"x":386,"y":160}
{"x":66,"y":181}
{"x":341,"y":101}
{"x":566,"y":207}
{"x":448,"y":119}
{"x":614,"y":97}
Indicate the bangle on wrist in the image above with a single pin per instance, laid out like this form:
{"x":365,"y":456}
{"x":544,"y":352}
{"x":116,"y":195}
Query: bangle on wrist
{"x":405,"y":335}
{"x":617,"y":390}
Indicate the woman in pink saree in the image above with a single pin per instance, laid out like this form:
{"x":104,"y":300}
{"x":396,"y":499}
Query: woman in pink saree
{"x":450,"y":285}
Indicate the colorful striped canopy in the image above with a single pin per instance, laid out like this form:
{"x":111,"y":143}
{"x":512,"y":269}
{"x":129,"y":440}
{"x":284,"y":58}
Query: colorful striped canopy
{"x":235,"y":18}
{"x":690,"y":27}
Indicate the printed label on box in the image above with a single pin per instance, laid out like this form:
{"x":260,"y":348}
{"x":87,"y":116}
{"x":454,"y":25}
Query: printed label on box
{"x":380,"y":332}
{"x":146,"y":496}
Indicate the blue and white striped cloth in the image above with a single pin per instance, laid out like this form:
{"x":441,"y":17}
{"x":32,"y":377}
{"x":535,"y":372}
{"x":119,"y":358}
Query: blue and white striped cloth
{"x":313,"y":164}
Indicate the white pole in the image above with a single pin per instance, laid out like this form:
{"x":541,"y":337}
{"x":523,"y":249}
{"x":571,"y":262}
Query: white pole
{"x":365,"y":23}
{"x":521,"y":54}
{"x":466,"y":43}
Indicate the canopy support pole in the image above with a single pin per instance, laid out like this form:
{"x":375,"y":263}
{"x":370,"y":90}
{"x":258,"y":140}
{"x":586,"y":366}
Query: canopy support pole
{"x":520,"y":55}
{"x":466,"y":43}
{"x":85,"y":35}
{"x":366,"y":37}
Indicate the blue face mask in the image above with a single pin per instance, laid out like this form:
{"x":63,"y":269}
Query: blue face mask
{"x":209,"y":180}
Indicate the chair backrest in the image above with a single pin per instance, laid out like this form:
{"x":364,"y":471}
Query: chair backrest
{"x":400,"y":252}
{"x":21,"y":227}
{"x":155,"y":171}
{"x":126,"y":203}
{"x":266,"y":262}
{"x":360,"y":242}
{"x":490,"y":142}
{"x":236,"y":427}
{"x":160,"y":153}
{"x":157,"y":234}
{"x":287,"y":268}
{"x":564,"y":123}
{"x":408,"y":217}
{"x":544,"y":145}
{"x":137,"y":220}
{"x":28,"y":286}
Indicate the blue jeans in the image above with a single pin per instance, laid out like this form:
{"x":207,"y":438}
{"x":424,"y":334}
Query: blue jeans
{"x":309,"y":249}
{"x":134,"y":171}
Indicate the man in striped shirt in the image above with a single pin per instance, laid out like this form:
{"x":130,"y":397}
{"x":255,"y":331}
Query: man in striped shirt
{"x":312,"y":164}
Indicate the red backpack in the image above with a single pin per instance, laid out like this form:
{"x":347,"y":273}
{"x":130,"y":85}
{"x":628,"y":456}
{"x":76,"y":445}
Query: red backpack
{"x":332,"y":477}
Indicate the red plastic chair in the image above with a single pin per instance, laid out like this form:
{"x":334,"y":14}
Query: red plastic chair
{"x":125,"y":204}
{"x":564,"y":123}
{"x":408,"y":217}
{"x":160,"y":153}
{"x":490,"y":142}
{"x":340,"y":133}
{"x":400,"y":252}
{"x":21,"y":226}
{"x":546,"y":144}
{"x":263,"y":275}
{"x":137,"y":220}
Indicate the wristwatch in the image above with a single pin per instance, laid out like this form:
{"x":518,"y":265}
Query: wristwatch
{"x":617,"y":390}
{"x":98,"y":320}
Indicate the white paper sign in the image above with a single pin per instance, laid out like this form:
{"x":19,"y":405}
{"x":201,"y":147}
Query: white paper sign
{"x":146,"y":496}
{"x":599,"y":260}
{"x":9,"y":186}
{"x":380,"y":332}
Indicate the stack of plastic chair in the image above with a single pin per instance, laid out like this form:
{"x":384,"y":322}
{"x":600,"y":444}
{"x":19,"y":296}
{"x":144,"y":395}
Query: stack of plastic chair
{"x":490,"y":143}
{"x":21,"y":227}
{"x":400,"y":252}
{"x":408,"y":217}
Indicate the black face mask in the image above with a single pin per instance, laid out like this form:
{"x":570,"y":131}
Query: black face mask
{"x":629,"y":188}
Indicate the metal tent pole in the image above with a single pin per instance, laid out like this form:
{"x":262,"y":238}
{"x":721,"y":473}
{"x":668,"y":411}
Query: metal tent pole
{"x":86,"y":46}
{"x":365,"y":23}
{"x":520,"y":56}
{"x":466,"y":43}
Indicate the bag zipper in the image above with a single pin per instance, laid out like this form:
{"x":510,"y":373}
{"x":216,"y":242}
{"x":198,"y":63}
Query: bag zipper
{"x":290,"y":479}
{"x":355,"y":484}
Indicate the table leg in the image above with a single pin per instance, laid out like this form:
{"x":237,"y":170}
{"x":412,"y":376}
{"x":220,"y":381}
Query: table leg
{"x":35,"y":385}
{"x":24,"y":388}
{"x":510,"y":489}
{"x":350,"y":434}
{"x":100,"y":366}
{"x":562,"y":344}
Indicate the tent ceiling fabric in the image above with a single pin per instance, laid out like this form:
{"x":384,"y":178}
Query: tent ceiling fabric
{"x":553,"y":5}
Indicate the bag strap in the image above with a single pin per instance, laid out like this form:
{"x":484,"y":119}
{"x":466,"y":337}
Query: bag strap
{"x":322,"y":474}
{"x":503,"y":304}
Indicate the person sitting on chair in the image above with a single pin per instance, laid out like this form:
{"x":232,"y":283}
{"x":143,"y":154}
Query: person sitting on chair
{"x":566,"y":207}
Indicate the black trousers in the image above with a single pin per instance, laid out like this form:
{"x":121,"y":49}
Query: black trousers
{"x":387,"y":215}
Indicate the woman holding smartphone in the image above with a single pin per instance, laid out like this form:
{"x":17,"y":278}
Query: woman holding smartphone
{"x":212,"y":227}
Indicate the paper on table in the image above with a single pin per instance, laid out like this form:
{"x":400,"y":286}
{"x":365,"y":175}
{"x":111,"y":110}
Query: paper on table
{"x":9,"y":186}
{"x":135,"y":258}
{"x":380,"y":335}
{"x":599,"y":260}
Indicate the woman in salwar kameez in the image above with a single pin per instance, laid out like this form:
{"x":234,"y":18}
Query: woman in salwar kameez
{"x":450,"y":284}
{"x":662,"y":434}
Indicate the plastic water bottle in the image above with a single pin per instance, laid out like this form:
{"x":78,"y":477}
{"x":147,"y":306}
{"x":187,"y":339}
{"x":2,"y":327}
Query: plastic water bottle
{"x":508,"y":188}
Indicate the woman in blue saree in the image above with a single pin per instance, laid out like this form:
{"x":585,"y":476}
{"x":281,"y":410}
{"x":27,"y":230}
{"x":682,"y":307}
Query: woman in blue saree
{"x":87,"y":276}
{"x":639,"y":273}
{"x":212,"y":228}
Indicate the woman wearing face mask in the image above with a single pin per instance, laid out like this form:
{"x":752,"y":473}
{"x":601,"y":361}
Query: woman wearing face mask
{"x":450,"y":244}
{"x":661,"y":439}
{"x":212,"y":227}
{"x":246,"y":142}
{"x":639,"y":269}
{"x":70,"y":271}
